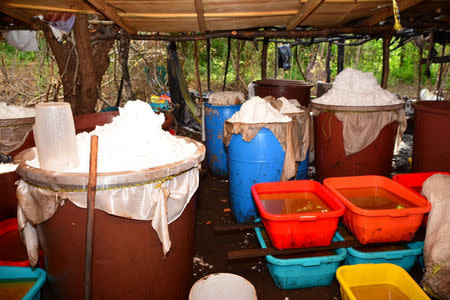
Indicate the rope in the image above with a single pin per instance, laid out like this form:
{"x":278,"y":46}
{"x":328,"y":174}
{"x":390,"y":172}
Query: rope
{"x":158,"y":182}
{"x":397,"y":25}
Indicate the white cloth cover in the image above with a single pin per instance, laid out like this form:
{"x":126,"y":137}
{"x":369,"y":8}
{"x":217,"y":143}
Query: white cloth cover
{"x":226,"y":98}
{"x":161,"y":201}
{"x":436,"y":250}
{"x":24,"y":40}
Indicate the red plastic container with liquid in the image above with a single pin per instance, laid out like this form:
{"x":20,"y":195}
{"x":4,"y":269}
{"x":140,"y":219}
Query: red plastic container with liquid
{"x":302,"y":229}
{"x":415,"y":181}
{"x":379,"y":225}
{"x":12,"y":250}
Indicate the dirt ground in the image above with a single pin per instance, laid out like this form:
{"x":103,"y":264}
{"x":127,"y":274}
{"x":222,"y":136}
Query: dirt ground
{"x":213,"y":208}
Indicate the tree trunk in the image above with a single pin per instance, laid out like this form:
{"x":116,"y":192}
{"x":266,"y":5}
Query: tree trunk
{"x":124,"y":51}
{"x":81,"y":65}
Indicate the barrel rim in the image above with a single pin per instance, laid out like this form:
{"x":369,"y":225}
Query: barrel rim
{"x":342,"y":108}
{"x":224,"y":106}
{"x":282,"y":83}
{"x":38,"y":175}
{"x":422,"y":106}
{"x":17,"y":121}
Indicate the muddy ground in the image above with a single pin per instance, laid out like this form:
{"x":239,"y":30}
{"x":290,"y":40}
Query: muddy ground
{"x":213,"y":208}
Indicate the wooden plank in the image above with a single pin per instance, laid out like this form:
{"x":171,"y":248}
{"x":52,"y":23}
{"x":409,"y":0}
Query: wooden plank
{"x":388,"y":12}
{"x":254,"y":253}
{"x":248,"y":14}
{"x":15,"y":13}
{"x":307,"y":9}
{"x":200,"y":17}
{"x":72,"y":6}
{"x":112,"y":14}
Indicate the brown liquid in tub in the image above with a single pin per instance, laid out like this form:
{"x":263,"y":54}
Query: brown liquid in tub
{"x":377,"y":292}
{"x":293,"y":203}
{"x":15,"y":289}
{"x":375,"y":198}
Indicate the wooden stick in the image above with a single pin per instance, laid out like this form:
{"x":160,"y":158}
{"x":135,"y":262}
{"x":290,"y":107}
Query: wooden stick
{"x":254,"y":253}
{"x":92,"y":185}
{"x":226,"y":64}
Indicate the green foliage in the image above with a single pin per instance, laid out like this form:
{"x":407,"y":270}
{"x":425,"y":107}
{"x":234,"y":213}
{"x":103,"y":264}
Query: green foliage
{"x":10,"y":54}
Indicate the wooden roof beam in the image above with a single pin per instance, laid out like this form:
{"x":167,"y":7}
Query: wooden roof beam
{"x":200,"y":15}
{"x":303,"y":13}
{"x":387,"y":12}
{"x":15,"y":13}
{"x":112,"y":14}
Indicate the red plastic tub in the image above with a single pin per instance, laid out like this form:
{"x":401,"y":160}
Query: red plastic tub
{"x":289,"y":226}
{"x":375,"y":224}
{"x":12,"y":250}
{"x":415,"y":181}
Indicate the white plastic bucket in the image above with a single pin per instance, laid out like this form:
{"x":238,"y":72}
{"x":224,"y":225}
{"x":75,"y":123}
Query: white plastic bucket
{"x":223,"y":286}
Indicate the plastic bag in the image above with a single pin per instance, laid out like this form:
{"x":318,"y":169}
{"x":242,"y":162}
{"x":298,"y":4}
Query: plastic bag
{"x":436,"y":250}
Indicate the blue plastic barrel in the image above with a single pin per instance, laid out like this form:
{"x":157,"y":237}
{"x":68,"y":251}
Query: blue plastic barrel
{"x":260,"y":160}
{"x":216,"y":155}
{"x":302,"y":172}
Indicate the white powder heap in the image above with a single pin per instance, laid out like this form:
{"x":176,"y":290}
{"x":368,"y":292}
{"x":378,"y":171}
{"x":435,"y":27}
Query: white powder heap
{"x":15,"y":112}
{"x":134,"y":140}
{"x":257,"y":110}
{"x":6,"y":168}
{"x":288,"y":107}
{"x":356,"y":88}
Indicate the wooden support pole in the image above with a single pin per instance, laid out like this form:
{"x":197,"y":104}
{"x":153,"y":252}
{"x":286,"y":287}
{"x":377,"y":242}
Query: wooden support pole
{"x":265,"y":47}
{"x":208,"y":64}
{"x":197,"y":72}
{"x":328,"y":69}
{"x":419,"y":76}
{"x":441,"y":70}
{"x":226,"y":64}
{"x":386,"y":53}
{"x":200,"y":15}
{"x":303,"y":13}
{"x":340,"y":57}
{"x":276,"y":60}
{"x":112,"y":14}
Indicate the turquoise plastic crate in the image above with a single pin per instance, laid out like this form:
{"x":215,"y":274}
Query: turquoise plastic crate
{"x":17,"y":273}
{"x":403,"y":258}
{"x":296,"y":273}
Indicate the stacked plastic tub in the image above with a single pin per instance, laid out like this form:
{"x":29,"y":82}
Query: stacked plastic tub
{"x":278,"y":203}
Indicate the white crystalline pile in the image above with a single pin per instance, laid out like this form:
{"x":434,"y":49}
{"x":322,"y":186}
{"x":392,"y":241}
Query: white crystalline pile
{"x":288,"y":106}
{"x":257,"y":110}
{"x":6,"y":168}
{"x":134,"y":140}
{"x":15,"y":112}
{"x":356,"y":88}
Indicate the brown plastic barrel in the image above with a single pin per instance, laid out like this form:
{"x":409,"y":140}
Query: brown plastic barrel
{"x":290,"y":89}
{"x":128,"y":261}
{"x":330,"y":157}
{"x":431,"y":144}
{"x":8,"y":199}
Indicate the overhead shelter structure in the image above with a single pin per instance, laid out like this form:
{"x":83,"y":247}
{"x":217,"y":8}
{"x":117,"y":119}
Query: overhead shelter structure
{"x":260,"y":20}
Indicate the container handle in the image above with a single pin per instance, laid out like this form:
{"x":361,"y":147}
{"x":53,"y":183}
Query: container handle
{"x":307,"y":218}
{"x":312,"y":263}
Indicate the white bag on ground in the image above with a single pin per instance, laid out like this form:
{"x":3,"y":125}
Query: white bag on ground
{"x":436,"y":251}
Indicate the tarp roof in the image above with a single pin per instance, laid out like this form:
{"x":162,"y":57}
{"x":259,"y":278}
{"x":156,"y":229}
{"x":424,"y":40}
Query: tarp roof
{"x":213,"y":15}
